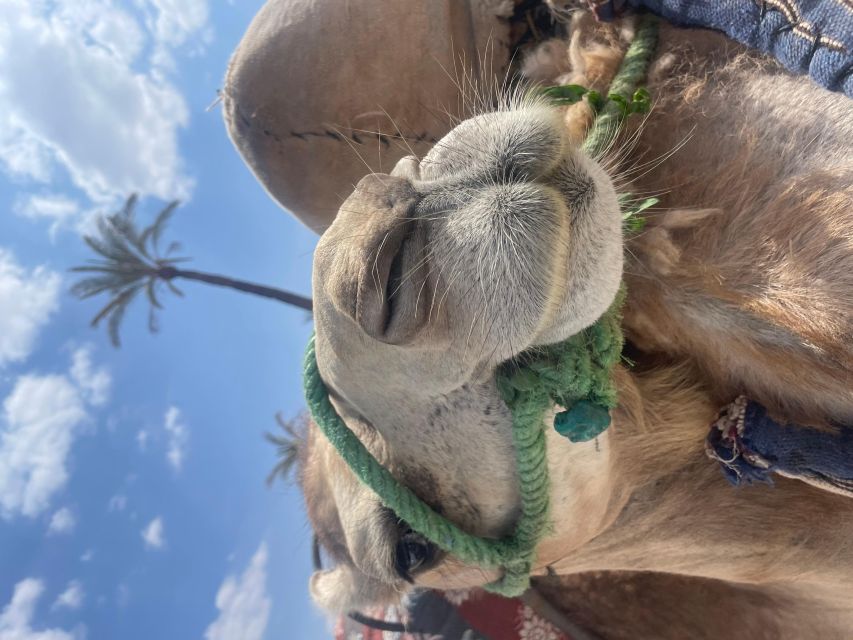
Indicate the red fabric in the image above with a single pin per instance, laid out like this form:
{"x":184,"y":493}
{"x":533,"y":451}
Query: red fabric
{"x":506,"y":619}
{"x":347,"y":629}
{"x":495,"y":617}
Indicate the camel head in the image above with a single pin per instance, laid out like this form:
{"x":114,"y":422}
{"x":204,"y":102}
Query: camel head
{"x":505,"y":236}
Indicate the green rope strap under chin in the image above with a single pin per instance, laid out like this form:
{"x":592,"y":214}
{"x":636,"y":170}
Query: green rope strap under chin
{"x":575,"y":374}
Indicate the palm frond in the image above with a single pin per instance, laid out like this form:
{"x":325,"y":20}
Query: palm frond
{"x":153,"y":232}
{"x":127,"y":230}
{"x":114,"y":322}
{"x":153,"y":321}
{"x":129,"y":208}
{"x":108,"y":308}
{"x":110,"y":267}
{"x":151,"y":292}
{"x":117,"y":314}
{"x":174,"y":289}
{"x":89,"y":287}
{"x":112,"y":244}
{"x":115,"y":310}
{"x":114,"y":283}
{"x":289,"y":448}
{"x":110,"y":251}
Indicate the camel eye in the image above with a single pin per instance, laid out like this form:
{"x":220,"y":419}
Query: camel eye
{"x":413,"y":552}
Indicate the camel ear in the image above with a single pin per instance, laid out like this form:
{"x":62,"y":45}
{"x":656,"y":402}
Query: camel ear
{"x":311,"y":79}
{"x":344,"y":589}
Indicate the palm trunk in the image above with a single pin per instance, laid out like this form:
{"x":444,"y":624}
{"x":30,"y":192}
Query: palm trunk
{"x":169,"y":273}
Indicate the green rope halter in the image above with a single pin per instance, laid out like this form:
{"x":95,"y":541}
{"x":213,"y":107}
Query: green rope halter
{"x":575,"y":374}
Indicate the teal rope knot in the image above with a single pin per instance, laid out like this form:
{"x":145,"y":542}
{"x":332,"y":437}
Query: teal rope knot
{"x":575,"y":374}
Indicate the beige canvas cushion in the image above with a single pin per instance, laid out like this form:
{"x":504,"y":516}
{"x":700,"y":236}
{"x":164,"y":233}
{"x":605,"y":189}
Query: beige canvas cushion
{"x":311,"y":79}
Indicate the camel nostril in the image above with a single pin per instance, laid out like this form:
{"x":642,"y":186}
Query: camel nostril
{"x":510,"y":167}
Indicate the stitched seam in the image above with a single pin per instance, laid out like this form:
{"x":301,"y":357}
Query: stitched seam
{"x":787,"y":9}
{"x":801,"y":28}
{"x":358,"y":137}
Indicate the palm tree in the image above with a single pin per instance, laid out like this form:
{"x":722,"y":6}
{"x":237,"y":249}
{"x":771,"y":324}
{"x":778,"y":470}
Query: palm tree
{"x":130,"y":262}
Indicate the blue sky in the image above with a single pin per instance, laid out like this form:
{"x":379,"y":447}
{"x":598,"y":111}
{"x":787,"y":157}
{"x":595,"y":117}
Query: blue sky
{"x":132,"y":496}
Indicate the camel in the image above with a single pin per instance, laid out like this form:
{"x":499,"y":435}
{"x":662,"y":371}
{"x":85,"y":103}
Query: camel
{"x":506,"y":236}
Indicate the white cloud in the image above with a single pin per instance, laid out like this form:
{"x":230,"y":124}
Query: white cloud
{"x":142,"y":439}
{"x":58,"y":209}
{"x":17,"y":617}
{"x":118,"y":502}
{"x":243,"y":603}
{"x":153,"y":534}
{"x":28,"y":299}
{"x":94,"y":383}
{"x":71,"y":598}
{"x":87,"y":555}
{"x":178,"y":20}
{"x":105,"y":26}
{"x":178,"y":434}
{"x":80,"y":62}
{"x":42,"y":416}
{"x":63,"y":521}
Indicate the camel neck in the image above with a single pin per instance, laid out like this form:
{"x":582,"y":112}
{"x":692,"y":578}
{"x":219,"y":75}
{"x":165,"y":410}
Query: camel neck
{"x":649,"y":499}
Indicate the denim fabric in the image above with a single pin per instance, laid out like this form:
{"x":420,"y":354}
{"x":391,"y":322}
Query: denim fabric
{"x":756,"y":446}
{"x":813,"y":37}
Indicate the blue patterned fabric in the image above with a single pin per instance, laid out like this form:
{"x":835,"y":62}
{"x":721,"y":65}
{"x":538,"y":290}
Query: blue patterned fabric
{"x":813,"y":37}
{"x":750,"y":446}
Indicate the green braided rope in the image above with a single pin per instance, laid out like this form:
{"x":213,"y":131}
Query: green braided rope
{"x":396,"y":496}
{"x":575,"y":374}
{"x":631,"y":73}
